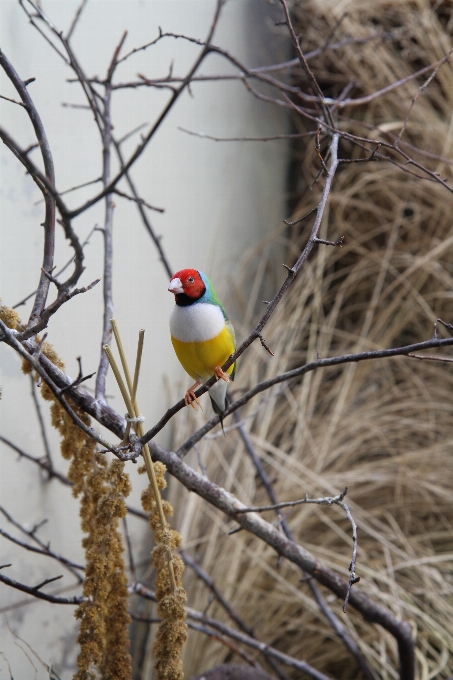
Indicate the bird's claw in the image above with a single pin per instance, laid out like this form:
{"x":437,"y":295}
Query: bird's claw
{"x":190,"y":398}
{"x":221,"y":374}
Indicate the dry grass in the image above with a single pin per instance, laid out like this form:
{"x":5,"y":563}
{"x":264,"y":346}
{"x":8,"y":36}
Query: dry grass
{"x":383,"y":428}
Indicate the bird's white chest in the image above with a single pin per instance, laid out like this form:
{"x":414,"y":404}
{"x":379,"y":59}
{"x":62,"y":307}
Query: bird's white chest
{"x":196,"y":323}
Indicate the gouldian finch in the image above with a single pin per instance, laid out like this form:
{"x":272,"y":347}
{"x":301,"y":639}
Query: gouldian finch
{"x":202,"y":336}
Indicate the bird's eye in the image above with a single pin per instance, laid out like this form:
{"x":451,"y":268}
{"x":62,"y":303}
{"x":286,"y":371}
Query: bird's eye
{"x":191,"y":279}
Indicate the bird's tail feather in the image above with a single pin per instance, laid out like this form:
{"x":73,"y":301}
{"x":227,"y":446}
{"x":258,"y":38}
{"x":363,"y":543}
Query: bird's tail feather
{"x":219,"y":400}
{"x":219,"y":413}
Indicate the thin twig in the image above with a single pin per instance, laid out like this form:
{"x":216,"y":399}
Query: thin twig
{"x":63,"y":296}
{"x":339,"y":242}
{"x":36,"y":592}
{"x":42,"y":426}
{"x":45,"y":185}
{"x":141,"y":201}
{"x":156,"y":239}
{"x":428,"y":357}
{"x":318,"y":151}
{"x":328,"y":500}
{"x":57,"y":475}
{"x":80,"y":378}
{"x":13,"y":101}
{"x":271,"y":138}
{"x":304,"y":64}
{"x":419,"y":92}
{"x":76,"y":18}
{"x":60,"y":271}
{"x":107,"y":233}
{"x":72,"y":566}
{"x":301,"y":219}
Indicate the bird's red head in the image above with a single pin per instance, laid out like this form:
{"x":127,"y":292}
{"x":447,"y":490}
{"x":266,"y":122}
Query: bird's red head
{"x":187,"y":282}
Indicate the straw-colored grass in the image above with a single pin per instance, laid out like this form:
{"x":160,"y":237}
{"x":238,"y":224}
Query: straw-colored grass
{"x":384,"y":428}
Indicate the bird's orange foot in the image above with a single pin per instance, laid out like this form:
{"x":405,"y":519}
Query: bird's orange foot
{"x":221,"y":374}
{"x":191,"y":398}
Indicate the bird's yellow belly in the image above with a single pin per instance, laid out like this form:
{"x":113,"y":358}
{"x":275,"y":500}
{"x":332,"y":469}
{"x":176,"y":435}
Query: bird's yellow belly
{"x":199,"y":359}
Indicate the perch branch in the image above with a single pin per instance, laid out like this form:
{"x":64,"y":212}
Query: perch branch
{"x":307,"y":368}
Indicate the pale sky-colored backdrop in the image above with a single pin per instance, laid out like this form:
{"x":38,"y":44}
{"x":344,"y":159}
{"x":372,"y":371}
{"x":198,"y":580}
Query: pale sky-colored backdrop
{"x":220,"y":199}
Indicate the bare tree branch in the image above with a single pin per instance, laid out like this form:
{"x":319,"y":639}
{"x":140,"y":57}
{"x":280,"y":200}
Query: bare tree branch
{"x":36,"y":592}
{"x":45,"y":185}
{"x":243,"y":638}
{"x":227,"y":607}
{"x":297,"y":372}
{"x":43,"y":464}
{"x":76,"y":18}
{"x":57,"y":475}
{"x":230,"y":506}
{"x":49,"y":220}
{"x":144,"y":143}
{"x":156,"y":239}
{"x":9,"y":338}
{"x":338,"y":628}
{"x":43,"y":550}
{"x":271,"y":138}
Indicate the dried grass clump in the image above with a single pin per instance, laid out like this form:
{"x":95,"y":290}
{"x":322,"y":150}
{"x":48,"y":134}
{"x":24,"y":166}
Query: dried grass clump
{"x":384,"y":428}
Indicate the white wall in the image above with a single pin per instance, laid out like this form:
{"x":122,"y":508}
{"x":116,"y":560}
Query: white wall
{"x":219,"y":199}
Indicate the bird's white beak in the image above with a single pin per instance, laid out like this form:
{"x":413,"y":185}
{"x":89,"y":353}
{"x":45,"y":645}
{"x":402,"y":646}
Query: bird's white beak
{"x":176,"y":286}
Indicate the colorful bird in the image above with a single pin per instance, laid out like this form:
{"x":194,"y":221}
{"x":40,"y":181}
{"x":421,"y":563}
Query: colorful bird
{"x":202,"y":336}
